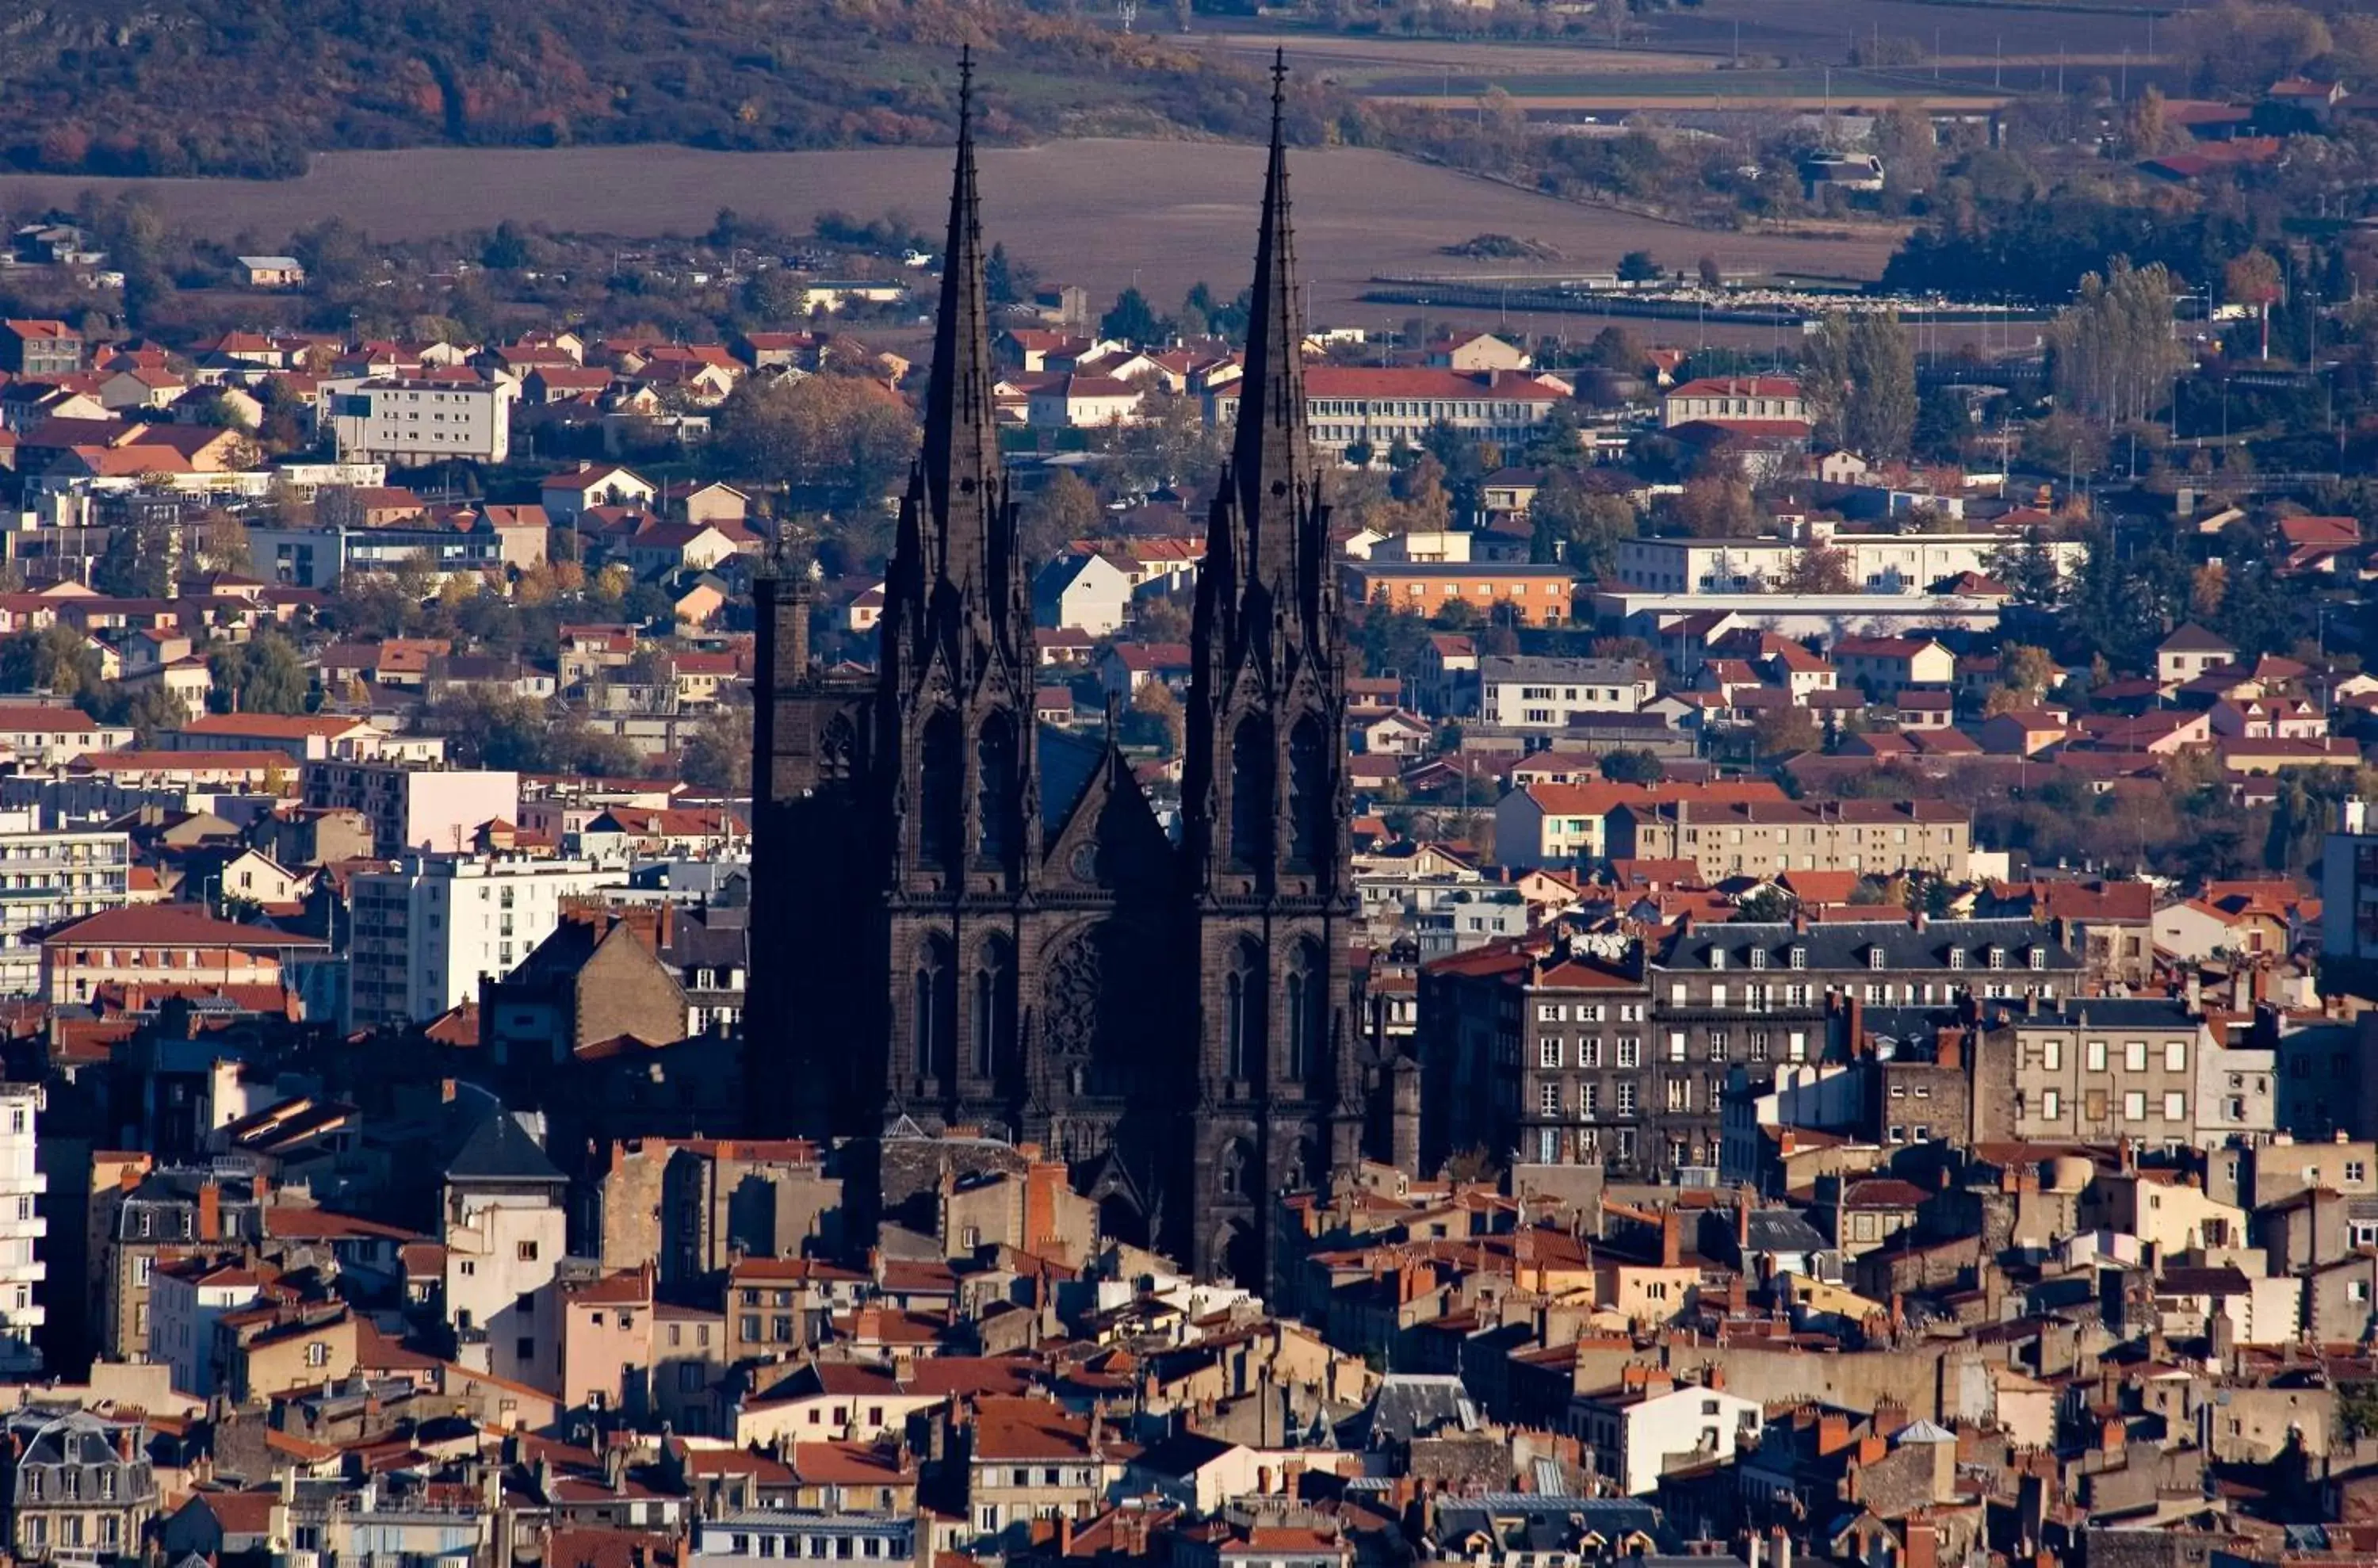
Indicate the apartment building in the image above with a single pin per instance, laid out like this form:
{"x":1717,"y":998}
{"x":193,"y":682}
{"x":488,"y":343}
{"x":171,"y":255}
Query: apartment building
{"x":22,"y":1227}
{"x":1369,"y":408}
{"x":428,"y":931}
{"x":425,"y":810}
{"x":2102,"y":1069}
{"x":403,"y":421}
{"x":1771,"y":837}
{"x":1541,"y":1055}
{"x":161,"y":947}
{"x":1539,"y":595}
{"x":48,"y":876}
{"x":1551,"y":694}
{"x":1874,"y":563}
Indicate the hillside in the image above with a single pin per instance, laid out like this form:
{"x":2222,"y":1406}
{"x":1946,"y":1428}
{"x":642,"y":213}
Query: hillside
{"x":190,"y":86}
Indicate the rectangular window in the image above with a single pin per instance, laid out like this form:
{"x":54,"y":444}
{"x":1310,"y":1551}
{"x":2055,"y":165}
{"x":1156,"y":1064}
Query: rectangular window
{"x":2051,"y":1105}
{"x":2175,"y":1056}
{"x":2094,"y":1056}
{"x":2175,"y":1105}
{"x":1676,"y":1045}
{"x":1548,"y":1052}
{"x":2135,"y":1055}
{"x":1589,"y":1100}
{"x":1630,"y":1051}
{"x":1549,"y":1099}
{"x":1589,"y":1051}
{"x":2135,"y":1106}
{"x":2051,"y":1053}
{"x":1626,"y":1096}
{"x":1717,"y":1046}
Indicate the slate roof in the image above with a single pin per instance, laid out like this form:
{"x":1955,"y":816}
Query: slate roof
{"x":500,"y":1150}
{"x":1411,"y":1405}
{"x":1849,"y":944}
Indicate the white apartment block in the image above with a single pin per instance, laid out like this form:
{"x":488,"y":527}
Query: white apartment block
{"x":425,"y":810}
{"x":390,"y":420}
{"x":47,"y":877}
{"x":21,"y":1230}
{"x":1537,"y":693}
{"x":502,"y":1251}
{"x":1876,"y":563}
{"x":1630,"y":1434}
{"x":186,"y":1299}
{"x":427,"y":932}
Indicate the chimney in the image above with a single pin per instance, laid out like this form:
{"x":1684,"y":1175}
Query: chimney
{"x":1832,"y":1436}
{"x":1923,"y":1546}
{"x":1742,"y":1221}
{"x":210,"y":1211}
{"x":1780,"y":1543}
{"x":1065,"y":1534}
{"x":1671,"y":1243}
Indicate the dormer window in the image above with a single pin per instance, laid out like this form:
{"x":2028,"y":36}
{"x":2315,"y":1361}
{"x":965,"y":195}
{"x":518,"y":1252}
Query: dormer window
{"x":1717,"y":958}
{"x":1799,"y":958}
{"x":1874,"y":957}
{"x":1998,"y":957}
{"x":1956,"y":958}
{"x":1759,"y":957}
{"x":2039,"y":957}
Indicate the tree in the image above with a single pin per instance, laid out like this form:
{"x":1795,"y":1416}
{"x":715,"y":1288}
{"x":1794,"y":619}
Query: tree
{"x":1580,"y":526}
{"x":1712,"y":275}
{"x":2027,"y":668}
{"x":1005,"y":280}
{"x":2254,"y":280}
{"x":57,"y":659}
{"x":1817,"y":569}
{"x":2029,"y":569}
{"x":1614,"y":348}
{"x":1859,"y":375}
{"x":1632,"y":764}
{"x":843,"y":440}
{"x":1133,"y":319}
{"x":1767,"y":904}
{"x":2114,"y":353}
{"x":141,"y":559}
{"x":1154,"y":702}
{"x":261,"y":675}
{"x":223,"y":545}
{"x":1714,"y":507}
{"x":717,"y":753}
{"x":1062,"y":510}
{"x":1639,"y":267}
{"x":1779,"y":732}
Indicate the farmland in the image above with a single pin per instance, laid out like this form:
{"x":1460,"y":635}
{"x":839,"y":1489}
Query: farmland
{"x":1100,"y":212}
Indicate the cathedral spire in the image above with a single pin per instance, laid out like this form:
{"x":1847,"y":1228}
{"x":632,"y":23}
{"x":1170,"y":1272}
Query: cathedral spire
{"x":960,"y":462}
{"x":1271,"y":461}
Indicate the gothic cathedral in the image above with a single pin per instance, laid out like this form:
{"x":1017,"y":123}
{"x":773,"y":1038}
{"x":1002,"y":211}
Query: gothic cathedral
{"x":967,"y":921}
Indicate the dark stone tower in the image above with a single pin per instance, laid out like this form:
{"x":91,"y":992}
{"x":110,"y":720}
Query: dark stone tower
{"x":963,"y":921}
{"x":1265,"y":801}
{"x":954,"y":707}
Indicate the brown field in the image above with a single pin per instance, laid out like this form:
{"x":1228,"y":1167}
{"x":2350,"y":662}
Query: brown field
{"x":1342,"y":55}
{"x":1101,"y":213}
{"x":1842,"y":103}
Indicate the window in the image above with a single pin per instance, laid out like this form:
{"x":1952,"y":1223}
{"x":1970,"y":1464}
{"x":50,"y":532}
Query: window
{"x":524,"y":1349}
{"x":1676,"y":1045}
{"x":1589,"y":1051}
{"x":2355,"y":1170}
{"x":2094,"y":1056}
{"x":1956,"y":958}
{"x":1717,"y":1046}
{"x":1797,"y":1047}
{"x":2175,"y":1056}
{"x":1799,"y":958}
{"x":1759,"y":957}
{"x":1548,"y":1051}
{"x":1758,"y":1044}
{"x":1626,"y":1096}
{"x":1630,"y":1051}
{"x":318,"y":1353}
{"x":526,"y":1252}
{"x":1548,"y":1098}
{"x":2135,"y":1055}
{"x":2051,"y":1105}
{"x":2175,"y":1105}
{"x":2135,"y":1106}
{"x":1876,"y":957}
{"x":1589,"y":1100}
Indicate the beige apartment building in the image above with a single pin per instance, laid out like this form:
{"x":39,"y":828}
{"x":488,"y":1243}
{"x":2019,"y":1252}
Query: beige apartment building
{"x":1770,"y":837}
{"x":2097,"y":1069}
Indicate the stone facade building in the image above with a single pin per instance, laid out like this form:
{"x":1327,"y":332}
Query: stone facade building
{"x":963,"y":921}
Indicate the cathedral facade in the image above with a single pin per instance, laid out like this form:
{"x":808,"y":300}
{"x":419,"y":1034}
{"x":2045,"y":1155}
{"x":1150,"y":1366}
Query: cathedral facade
{"x":963,"y":921}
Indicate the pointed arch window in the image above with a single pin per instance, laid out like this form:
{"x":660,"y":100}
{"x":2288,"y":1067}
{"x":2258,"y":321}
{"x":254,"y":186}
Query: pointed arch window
{"x":994,"y":1008}
{"x":1309,"y":805}
{"x":995,"y":795}
{"x":1306,"y":1011}
{"x":837,"y":751}
{"x":1251,"y":768}
{"x":1231,"y":1175}
{"x":1243,"y":1003}
{"x":941,"y":792}
{"x":933,"y":1023}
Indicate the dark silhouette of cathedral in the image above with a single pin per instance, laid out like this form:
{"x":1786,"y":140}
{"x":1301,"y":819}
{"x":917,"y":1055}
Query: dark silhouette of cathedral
{"x":969,"y":922}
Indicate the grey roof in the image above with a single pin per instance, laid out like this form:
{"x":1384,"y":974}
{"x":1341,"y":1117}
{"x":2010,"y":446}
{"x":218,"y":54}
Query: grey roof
{"x":1559,"y":671}
{"x":1782,"y":1230}
{"x":1924,"y":1431}
{"x":1850,"y":944}
{"x":1527,"y":1522}
{"x":500,"y":1150}
{"x":1412,"y":1404}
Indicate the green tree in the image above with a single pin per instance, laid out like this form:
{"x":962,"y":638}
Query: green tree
{"x":1133,"y":321}
{"x":1859,"y":374}
{"x":261,"y":675}
{"x":717,"y":753}
{"x":1632,"y":764}
{"x":57,"y":659}
{"x":1005,"y":280}
{"x":2113,"y":352}
{"x":1639,"y":267}
{"x":1580,"y":526}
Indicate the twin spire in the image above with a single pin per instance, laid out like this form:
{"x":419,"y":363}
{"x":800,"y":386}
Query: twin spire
{"x":957,"y":540}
